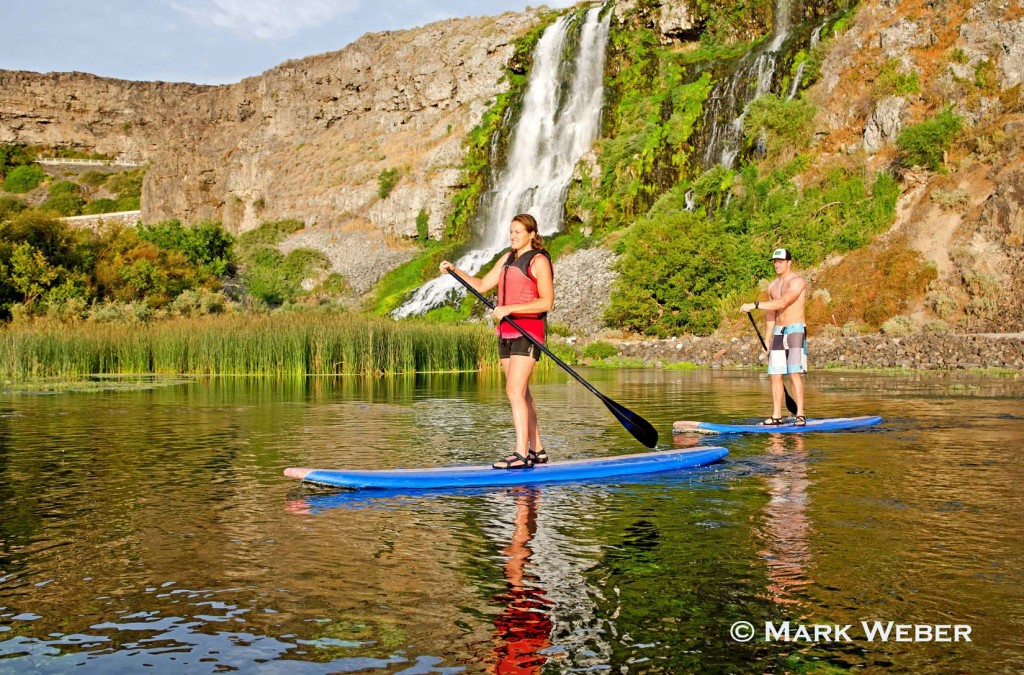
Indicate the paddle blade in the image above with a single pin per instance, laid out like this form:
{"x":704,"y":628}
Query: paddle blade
{"x":641,"y":429}
{"x":790,"y":403}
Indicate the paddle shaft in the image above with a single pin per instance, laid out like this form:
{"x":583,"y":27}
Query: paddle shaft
{"x":641,"y":429}
{"x":790,"y":403}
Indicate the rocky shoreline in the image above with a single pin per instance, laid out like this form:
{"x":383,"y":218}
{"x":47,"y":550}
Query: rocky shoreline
{"x":912,"y":352}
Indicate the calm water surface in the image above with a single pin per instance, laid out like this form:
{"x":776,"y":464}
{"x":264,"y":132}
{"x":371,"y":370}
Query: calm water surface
{"x":152,"y":529}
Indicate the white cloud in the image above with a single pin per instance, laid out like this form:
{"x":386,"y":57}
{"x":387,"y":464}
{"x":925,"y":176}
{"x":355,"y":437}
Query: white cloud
{"x":264,"y":19}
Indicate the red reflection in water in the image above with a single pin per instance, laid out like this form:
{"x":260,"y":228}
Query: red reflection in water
{"x":523,"y":627}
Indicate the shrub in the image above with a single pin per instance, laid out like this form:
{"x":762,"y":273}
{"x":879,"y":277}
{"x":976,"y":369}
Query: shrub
{"x":102,"y":205}
{"x":599,"y":350}
{"x":982,"y":307}
{"x":936,"y":326}
{"x":93,"y":178}
{"x":941,"y":304}
{"x":925,"y":143}
{"x":898,"y":325}
{"x":422,"y":226}
{"x":65,"y":198}
{"x":956,"y":199}
{"x":980,"y":284}
{"x":9,"y":206}
{"x":786,"y":126}
{"x":893,"y":81}
{"x":23,"y":178}
{"x":126,"y":184}
{"x":851,"y":329}
{"x":198,"y":302}
{"x":673,"y":269}
{"x":206,"y":244}
{"x":386,"y":182}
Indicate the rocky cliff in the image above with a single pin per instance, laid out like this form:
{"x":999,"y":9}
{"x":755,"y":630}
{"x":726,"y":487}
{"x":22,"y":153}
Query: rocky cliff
{"x":307,"y":139}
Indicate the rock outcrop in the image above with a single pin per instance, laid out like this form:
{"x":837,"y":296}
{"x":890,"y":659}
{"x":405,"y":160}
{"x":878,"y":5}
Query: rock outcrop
{"x":307,"y":139}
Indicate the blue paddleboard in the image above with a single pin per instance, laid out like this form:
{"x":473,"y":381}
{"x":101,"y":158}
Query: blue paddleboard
{"x":828,"y":424}
{"x":485,"y":476}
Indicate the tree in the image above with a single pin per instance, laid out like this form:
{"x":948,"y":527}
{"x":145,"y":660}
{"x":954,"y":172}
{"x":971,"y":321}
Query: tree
{"x":30,"y":273}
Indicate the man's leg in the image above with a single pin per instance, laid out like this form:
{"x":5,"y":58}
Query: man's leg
{"x":798,"y":391}
{"x":777,"y":396}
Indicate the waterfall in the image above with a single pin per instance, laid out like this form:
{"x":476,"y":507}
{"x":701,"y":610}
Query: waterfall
{"x":815,"y":36}
{"x":559,"y":122}
{"x":729,"y":99}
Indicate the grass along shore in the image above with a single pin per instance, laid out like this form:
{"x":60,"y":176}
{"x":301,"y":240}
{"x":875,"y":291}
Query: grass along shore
{"x":268,"y":344}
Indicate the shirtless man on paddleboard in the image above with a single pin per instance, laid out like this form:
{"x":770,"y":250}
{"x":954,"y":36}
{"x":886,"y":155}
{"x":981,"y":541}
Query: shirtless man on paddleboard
{"x":784,"y":321}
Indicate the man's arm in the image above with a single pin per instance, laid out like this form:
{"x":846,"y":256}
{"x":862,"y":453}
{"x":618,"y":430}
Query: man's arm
{"x":793,"y":291}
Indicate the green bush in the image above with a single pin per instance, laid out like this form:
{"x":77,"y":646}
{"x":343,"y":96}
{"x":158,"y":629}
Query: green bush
{"x":673,"y":269}
{"x":10,"y":206}
{"x":599,"y":350}
{"x":23,"y":178}
{"x":386,"y":182}
{"x":126,"y":184}
{"x":65,"y":198}
{"x":422,"y":226}
{"x":102,"y":205}
{"x":93,"y":178}
{"x":898,"y":326}
{"x":15,"y":155}
{"x":785,"y":125}
{"x":925,"y":143}
{"x":206,"y":244}
{"x":893,"y":81}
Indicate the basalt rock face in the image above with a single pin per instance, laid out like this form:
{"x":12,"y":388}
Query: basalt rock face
{"x":307,"y":139}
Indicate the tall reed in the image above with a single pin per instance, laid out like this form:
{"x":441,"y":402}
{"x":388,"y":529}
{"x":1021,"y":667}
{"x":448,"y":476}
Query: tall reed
{"x":271,"y":344}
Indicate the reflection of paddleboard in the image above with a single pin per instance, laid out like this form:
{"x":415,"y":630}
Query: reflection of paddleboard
{"x":829,"y":424}
{"x":485,"y":476}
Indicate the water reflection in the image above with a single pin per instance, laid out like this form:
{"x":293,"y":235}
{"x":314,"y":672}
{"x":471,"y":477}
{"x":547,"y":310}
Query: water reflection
{"x":786,"y":528}
{"x":523,"y":628}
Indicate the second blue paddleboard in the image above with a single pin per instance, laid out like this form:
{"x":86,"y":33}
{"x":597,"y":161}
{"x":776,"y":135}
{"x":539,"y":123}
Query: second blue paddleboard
{"x":829,"y":424}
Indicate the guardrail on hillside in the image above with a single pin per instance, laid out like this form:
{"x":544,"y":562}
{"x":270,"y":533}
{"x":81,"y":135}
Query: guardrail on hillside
{"x":65,"y":161}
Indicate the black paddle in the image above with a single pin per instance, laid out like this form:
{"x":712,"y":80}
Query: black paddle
{"x":636,"y":425}
{"x":790,"y":403}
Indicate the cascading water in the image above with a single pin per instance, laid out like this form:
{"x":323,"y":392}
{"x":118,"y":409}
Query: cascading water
{"x":815,"y":36}
{"x":727,"y":104}
{"x":559,"y":122}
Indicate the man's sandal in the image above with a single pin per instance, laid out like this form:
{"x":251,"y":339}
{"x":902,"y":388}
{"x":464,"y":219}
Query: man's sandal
{"x":539,"y":457}
{"x":514,"y":461}
{"x":800,"y":421}
{"x":772,"y":422}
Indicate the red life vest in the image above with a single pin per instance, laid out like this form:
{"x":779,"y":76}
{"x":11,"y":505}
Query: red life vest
{"x":517,"y":285}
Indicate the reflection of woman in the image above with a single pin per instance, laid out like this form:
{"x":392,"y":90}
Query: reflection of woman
{"x":524,"y":626}
{"x":786,"y":523}
{"x":526,"y":293}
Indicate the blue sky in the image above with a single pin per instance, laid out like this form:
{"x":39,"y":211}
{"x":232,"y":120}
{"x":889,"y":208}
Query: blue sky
{"x":205,"y":41}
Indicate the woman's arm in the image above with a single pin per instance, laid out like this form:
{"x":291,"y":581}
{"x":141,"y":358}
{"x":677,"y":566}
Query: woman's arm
{"x":489,"y":280}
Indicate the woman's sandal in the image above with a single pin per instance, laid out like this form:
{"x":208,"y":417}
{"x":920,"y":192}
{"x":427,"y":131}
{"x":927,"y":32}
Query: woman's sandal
{"x":539,"y":457}
{"x":800,"y":421}
{"x":772,"y":422}
{"x":514,"y":461}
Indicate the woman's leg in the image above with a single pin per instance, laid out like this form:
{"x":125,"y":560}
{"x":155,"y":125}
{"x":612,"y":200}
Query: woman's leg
{"x":524,"y":416}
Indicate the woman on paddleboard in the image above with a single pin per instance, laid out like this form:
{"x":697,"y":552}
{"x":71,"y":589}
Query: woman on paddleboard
{"x":526,"y":292}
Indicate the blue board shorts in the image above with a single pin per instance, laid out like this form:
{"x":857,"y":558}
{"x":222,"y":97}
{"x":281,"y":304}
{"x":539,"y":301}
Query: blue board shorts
{"x":789,"y":350}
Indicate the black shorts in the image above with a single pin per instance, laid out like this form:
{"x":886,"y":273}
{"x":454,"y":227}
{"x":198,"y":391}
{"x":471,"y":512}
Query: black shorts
{"x":520,"y":346}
